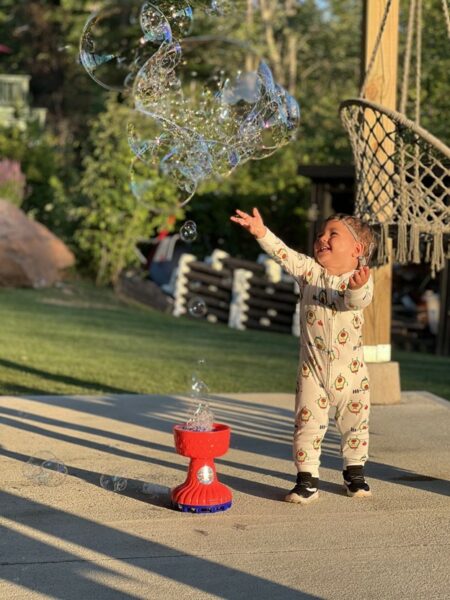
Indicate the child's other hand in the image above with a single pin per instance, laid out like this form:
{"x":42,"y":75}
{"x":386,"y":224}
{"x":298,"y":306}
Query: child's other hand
{"x":253,"y":224}
{"x":359,"y":278}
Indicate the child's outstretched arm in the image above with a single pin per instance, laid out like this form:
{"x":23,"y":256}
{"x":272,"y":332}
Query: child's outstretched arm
{"x":294,"y":263}
{"x":253,"y":224}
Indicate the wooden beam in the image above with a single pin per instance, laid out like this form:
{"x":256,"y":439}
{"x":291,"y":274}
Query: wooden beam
{"x":381,"y":87}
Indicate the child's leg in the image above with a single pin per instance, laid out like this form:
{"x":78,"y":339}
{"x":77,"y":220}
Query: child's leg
{"x":311,"y":422}
{"x":352,"y":421}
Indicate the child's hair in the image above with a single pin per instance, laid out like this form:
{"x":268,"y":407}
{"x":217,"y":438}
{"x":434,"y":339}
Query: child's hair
{"x":361,"y":231}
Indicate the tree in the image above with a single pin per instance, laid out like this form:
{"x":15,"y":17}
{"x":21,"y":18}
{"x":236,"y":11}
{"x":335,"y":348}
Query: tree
{"x":110,"y":219}
{"x":314,"y":49}
{"x":434,"y":84}
{"x":43,"y":36}
{"x":315,"y":52}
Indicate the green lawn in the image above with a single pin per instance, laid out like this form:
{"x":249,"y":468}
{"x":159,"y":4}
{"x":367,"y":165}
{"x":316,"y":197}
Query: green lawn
{"x":80,"y":340}
{"x":419,"y":371}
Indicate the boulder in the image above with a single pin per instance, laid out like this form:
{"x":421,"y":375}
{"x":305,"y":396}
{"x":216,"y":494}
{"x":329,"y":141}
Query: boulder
{"x":30,"y":255}
{"x":131,"y":286}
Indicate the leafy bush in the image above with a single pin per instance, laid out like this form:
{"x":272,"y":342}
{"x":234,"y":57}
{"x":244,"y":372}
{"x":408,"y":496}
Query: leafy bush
{"x":12,"y":182}
{"x":44,"y":197}
{"x":110,"y":219}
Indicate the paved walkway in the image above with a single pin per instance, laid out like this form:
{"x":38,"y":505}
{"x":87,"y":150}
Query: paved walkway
{"x":80,"y":541}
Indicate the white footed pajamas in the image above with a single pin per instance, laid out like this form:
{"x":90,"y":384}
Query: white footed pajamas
{"x":331,"y":366}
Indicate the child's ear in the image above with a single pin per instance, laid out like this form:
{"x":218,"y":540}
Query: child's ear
{"x":359,"y":249}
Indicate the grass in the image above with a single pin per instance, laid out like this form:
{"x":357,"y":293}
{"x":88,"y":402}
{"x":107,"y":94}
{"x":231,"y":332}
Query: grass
{"x":420,"y":371}
{"x":77,"y":339}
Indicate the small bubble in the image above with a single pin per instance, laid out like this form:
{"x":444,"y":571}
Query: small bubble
{"x":198,"y":387}
{"x":155,"y":491}
{"x":188,"y":232}
{"x":44,"y":468}
{"x":197,"y":307}
{"x":113,"y":483}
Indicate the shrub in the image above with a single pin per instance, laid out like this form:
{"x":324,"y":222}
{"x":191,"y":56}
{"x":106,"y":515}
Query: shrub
{"x":12,"y":182}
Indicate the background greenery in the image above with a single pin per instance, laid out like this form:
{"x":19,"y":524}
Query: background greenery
{"x":76,"y":170}
{"x":77,"y":184}
{"x":78,"y":339}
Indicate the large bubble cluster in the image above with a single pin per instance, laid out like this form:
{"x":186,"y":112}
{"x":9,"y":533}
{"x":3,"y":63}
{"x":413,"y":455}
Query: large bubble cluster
{"x":204,"y":104}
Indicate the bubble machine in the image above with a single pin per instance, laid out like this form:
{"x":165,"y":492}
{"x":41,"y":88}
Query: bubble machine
{"x":202,"y":492}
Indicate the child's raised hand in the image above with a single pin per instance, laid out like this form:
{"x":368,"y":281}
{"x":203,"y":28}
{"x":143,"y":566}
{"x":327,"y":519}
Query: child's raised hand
{"x":359,"y":278}
{"x":253,"y":224}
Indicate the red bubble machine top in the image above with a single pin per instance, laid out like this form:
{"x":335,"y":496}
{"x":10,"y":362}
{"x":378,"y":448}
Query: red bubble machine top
{"x":202,"y":491}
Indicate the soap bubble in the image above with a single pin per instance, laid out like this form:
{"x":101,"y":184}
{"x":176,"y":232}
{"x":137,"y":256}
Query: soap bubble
{"x":114,"y":46}
{"x":188,"y":232}
{"x":198,"y":387}
{"x":147,"y":190}
{"x":155,"y":491}
{"x":142,"y":184}
{"x":169,"y":18}
{"x":221,"y":7}
{"x":212,"y":124}
{"x":210,"y":103}
{"x":45,"y":469}
{"x":202,"y":418}
{"x":197,"y":307}
{"x":113,"y":483}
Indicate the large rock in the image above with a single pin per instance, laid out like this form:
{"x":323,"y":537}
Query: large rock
{"x":30,"y":255}
{"x":131,"y":286}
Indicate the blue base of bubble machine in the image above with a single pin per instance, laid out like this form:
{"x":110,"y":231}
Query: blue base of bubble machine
{"x":198,"y":509}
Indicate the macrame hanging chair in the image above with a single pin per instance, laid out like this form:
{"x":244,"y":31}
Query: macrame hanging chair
{"x":402,"y":171}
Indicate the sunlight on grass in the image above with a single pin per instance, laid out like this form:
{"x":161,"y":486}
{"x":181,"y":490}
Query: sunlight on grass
{"x":78,"y":339}
{"x":86,"y":341}
{"x":419,"y":371}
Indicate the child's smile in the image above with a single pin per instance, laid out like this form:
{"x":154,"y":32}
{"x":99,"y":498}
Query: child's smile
{"x":336,"y":249}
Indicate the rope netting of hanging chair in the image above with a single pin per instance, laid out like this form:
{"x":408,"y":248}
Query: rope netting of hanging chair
{"x":402,"y":181}
{"x":402,"y":171}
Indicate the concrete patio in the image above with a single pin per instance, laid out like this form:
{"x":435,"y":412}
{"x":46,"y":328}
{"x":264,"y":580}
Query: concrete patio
{"x":79,"y":541}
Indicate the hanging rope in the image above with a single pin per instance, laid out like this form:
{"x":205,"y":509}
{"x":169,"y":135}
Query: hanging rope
{"x":402,"y":171}
{"x":418,"y":59}
{"x":414,"y":27}
{"x":402,"y":180}
{"x":446,"y":15}
{"x":407,"y":59}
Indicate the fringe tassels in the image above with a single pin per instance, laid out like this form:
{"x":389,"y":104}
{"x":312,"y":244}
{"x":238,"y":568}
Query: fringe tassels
{"x":383,"y":245}
{"x":437,"y":254}
{"x":414,"y":244}
{"x":401,"y":254}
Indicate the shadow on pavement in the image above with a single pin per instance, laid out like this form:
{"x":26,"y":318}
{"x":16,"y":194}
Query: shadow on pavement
{"x":258,"y":429}
{"x":79,"y":575}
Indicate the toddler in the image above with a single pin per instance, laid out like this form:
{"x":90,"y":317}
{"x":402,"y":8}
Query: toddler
{"x":335,"y":286}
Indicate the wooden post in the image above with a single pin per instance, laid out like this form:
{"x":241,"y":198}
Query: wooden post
{"x":381,"y":87}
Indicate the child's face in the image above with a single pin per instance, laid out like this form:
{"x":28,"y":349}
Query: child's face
{"x":336,"y":249}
